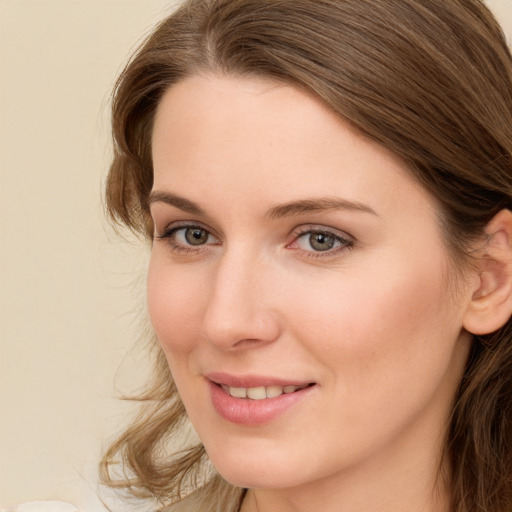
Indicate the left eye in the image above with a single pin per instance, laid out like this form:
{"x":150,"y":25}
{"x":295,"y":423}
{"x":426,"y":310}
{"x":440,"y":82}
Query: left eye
{"x":321,"y":241}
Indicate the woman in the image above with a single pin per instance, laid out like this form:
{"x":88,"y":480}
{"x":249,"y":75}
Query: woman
{"x":326,"y":186}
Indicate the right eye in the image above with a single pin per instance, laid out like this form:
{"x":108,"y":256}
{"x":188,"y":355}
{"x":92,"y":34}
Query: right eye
{"x":191,"y":236}
{"x":188,"y":237}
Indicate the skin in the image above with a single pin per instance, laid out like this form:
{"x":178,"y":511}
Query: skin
{"x":374,"y":322}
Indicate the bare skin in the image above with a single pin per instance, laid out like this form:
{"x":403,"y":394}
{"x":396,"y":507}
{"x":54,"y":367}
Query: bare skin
{"x":289,"y":246}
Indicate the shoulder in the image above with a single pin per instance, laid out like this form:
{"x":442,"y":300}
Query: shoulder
{"x":191,"y":503}
{"x":208,"y":499}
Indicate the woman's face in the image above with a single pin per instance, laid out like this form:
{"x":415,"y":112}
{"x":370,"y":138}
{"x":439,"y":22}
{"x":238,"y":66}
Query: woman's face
{"x":299,"y":287}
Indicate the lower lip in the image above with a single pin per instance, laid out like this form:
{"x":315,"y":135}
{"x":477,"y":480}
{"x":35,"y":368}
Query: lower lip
{"x":245,"y":411}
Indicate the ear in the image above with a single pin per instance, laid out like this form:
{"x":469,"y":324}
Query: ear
{"x":491,"y":304}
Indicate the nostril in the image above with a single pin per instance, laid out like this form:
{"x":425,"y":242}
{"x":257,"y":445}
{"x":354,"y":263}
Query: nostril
{"x":246,"y":343}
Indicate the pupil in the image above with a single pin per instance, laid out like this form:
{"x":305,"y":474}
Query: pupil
{"x":321,"y":241}
{"x":196,"y":236}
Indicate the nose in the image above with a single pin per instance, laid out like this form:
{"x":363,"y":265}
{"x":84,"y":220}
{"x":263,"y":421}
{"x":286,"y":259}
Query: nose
{"x":240,"y":312}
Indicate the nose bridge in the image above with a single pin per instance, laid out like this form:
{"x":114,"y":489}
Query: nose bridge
{"x":238,"y":309}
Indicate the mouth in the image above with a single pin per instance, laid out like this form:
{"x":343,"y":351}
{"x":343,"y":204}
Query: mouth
{"x":256,"y":387}
{"x":255,"y":400}
{"x":262,"y":392}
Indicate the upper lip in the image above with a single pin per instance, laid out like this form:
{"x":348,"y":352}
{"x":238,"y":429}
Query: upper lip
{"x":252,"y":381}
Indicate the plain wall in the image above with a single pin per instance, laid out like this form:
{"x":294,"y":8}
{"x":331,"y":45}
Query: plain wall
{"x":68,"y":287}
{"x":69,"y":290}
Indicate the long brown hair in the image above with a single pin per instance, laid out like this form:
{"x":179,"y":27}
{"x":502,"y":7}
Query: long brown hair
{"x":431,"y":80}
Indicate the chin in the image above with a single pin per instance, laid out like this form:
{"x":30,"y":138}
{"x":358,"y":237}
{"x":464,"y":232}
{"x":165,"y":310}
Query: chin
{"x":258,"y":469}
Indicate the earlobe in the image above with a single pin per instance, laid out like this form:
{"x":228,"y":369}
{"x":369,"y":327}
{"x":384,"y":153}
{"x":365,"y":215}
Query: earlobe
{"x":491,"y":303}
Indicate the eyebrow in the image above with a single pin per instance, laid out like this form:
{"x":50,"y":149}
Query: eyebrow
{"x":293,"y":208}
{"x":316,"y":205}
{"x":175,"y":200}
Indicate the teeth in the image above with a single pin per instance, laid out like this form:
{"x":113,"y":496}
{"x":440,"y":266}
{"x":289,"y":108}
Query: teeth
{"x":273,"y":391}
{"x":238,"y":392}
{"x":257,"y":393}
{"x":261,"y":392}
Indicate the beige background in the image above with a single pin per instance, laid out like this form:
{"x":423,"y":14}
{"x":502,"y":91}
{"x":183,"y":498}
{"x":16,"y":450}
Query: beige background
{"x":67,"y":286}
{"x":69,"y":290}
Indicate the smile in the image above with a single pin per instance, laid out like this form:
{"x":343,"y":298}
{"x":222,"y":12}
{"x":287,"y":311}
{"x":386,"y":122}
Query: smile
{"x":255,"y":400}
{"x":261,"y":392}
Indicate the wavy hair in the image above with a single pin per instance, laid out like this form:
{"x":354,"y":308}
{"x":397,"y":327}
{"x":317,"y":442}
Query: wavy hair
{"x":431,"y":80}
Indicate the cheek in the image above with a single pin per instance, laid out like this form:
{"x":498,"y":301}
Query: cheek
{"x":389,"y":347}
{"x":380,"y":327}
{"x":174,"y":306}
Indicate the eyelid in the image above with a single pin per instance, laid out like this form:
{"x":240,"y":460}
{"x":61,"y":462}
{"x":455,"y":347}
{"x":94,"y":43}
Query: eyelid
{"x":181,"y":224}
{"x":347,"y":241}
{"x":320,"y":228}
{"x":168,"y":237}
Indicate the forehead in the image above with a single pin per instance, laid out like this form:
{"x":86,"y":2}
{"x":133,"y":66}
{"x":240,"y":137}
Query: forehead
{"x":218,"y":134}
{"x":224,"y":105}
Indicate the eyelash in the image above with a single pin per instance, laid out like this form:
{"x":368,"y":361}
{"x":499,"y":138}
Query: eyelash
{"x":344,"y":242}
{"x":170,"y":232}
